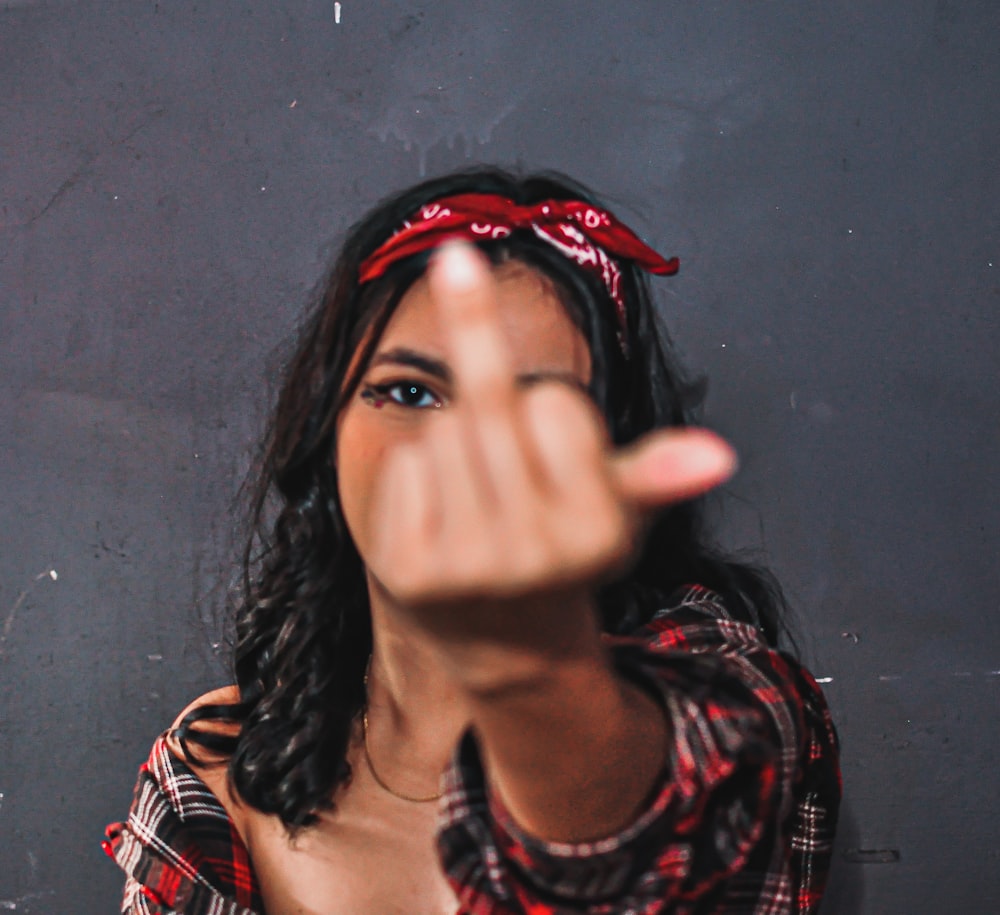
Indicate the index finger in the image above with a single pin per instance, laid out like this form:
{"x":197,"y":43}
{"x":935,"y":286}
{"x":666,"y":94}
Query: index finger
{"x":465,"y":294}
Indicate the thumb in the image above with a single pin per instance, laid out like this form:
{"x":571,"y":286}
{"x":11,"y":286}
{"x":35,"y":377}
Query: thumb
{"x":671,"y":465}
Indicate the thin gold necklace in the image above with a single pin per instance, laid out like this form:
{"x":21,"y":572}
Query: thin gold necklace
{"x":371,"y":766}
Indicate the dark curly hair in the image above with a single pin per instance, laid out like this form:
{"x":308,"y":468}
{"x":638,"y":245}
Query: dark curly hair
{"x":303,"y":631}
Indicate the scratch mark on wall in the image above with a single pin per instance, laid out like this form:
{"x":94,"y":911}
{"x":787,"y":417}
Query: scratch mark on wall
{"x":102,"y":544}
{"x":83,"y":169}
{"x":872,"y":855}
{"x":960,"y":674}
{"x":142,"y":125}
{"x":63,"y":188}
{"x":8,"y":623}
{"x":336,"y":13}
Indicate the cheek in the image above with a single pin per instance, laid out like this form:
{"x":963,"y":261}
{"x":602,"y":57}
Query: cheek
{"x":365,"y":437}
{"x":359,"y":453}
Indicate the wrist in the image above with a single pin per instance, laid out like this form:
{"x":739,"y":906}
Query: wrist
{"x":530,"y":649}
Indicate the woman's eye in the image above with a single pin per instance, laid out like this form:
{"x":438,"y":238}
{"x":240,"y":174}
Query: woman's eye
{"x":412,"y":395}
{"x":403,"y":393}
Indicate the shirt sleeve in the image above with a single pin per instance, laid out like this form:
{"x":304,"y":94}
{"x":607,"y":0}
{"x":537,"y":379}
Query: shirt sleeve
{"x":180,"y":851}
{"x":737,"y":737}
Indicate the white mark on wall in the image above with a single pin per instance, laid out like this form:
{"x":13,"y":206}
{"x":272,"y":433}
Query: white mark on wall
{"x":11,"y":904}
{"x":824,"y":679}
{"x":336,"y":13}
{"x":960,"y":674}
{"x":8,"y":623}
{"x":453,"y":115}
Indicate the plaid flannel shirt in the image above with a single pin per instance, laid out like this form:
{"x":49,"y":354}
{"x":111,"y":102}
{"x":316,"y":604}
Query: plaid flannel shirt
{"x":741,"y":820}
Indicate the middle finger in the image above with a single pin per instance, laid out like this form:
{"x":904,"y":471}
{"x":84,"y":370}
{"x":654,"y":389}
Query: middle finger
{"x":465,"y":295}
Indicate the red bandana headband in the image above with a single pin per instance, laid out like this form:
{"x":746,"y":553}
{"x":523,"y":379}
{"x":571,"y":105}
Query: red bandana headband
{"x":584,"y":233}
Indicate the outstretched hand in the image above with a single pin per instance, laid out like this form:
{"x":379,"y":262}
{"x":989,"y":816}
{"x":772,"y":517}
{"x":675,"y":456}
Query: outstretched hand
{"x":513,"y":493}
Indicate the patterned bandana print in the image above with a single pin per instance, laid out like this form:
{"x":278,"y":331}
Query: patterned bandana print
{"x":586,"y":234}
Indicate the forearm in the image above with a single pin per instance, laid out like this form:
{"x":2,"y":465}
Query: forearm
{"x":570,"y":747}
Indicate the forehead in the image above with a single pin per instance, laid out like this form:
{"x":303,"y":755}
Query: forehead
{"x":539,"y":332}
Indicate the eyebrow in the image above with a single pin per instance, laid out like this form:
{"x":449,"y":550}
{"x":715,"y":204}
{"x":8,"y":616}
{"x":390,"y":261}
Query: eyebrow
{"x":402,"y":356}
{"x":438,"y":369}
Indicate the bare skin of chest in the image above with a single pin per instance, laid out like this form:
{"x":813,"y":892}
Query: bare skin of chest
{"x":374,"y":855}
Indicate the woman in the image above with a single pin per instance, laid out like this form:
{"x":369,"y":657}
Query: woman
{"x":486,"y":662}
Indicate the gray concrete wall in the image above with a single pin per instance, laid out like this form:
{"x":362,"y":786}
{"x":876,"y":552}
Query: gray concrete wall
{"x":172,"y":178}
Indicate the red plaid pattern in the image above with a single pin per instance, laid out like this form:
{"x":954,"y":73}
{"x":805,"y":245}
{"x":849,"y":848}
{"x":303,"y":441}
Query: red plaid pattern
{"x":741,"y":821}
{"x":178,"y":847}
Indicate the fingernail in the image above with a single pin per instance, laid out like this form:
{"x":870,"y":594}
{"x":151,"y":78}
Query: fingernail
{"x":459,"y":264}
{"x":727,"y":458}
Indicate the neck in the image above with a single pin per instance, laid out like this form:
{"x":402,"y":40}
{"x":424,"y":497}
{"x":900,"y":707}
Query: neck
{"x":415,"y":712}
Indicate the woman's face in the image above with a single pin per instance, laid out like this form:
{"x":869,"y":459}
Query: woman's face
{"x":409,"y":378}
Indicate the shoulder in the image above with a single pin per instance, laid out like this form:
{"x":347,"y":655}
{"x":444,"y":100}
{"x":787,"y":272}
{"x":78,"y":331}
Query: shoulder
{"x":696,"y":619}
{"x":209,"y":767}
{"x":697,"y":646}
{"x":182,"y":846}
{"x":224,"y":695}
